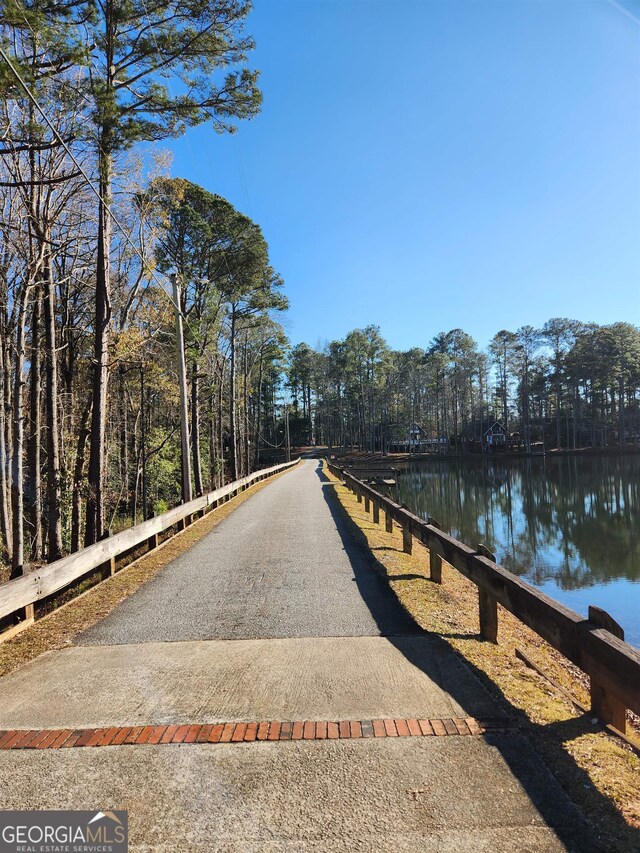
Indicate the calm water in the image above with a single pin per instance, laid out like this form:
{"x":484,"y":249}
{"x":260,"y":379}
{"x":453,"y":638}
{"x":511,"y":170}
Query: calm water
{"x":569,"y":525}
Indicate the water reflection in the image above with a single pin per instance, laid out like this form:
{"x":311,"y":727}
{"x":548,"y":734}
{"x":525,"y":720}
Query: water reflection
{"x":571,"y":521}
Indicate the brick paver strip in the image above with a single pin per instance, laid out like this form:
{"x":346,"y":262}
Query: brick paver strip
{"x":145,"y":734}
{"x":72,"y":740}
{"x":378,"y":728}
{"x":167,"y":737}
{"x":274,"y":731}
{"x":156,"y":734}
{"x":425,"y":727}
{"x":450,"y":726}
{"x":180,"y":735}
{"x":414,"y":728}
{"x":461,"y":725}
{"x":108,"y":736}
{"x":48,"y":742}
{"x":192,"y":734}
{"x":251,"y":732}
{"x":203,"y":734}
{"x":216,"y":733}
{"x":402,"y":728}
{"x":134,"y":734}
{"x":248,"y":732}
{"x":43,"y":742}
{"x":96,"y":737}
{"x":474,"y":728}
{"x":85,"y":737}
{"x":286,"y":730}
{"x":227,"y":732}
{"x":28,"y":738}
{"x":62,"y":738}
{"x":4,"y":737}
{"x":239,"y":732}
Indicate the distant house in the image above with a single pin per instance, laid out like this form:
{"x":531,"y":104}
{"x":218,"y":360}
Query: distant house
{"x":495,"y":437}
{"x":485,"y":437}
{"x":416,"y":440}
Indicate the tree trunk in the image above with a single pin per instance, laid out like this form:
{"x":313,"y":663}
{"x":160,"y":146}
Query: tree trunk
{"x":54,"y":484}
{"x":221,"y":425}
{"x":5,"y":520}
{"x":256,"y":462}
{"x":78,"y":472}
{"x":233,"y":446}
{"x":34,"y":491}
{"x":245,"y":415}
{"x":17,"y":479}
{"x":95,"y":503}
{"x":195,"y":429}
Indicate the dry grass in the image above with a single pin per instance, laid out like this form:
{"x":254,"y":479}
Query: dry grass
{"x":57,"y":629}
{"x":599,"y":771}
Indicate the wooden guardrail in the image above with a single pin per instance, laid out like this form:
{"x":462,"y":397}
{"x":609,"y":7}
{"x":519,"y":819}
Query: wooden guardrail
{"x":596,"y":645}
{"x":25,"y":591}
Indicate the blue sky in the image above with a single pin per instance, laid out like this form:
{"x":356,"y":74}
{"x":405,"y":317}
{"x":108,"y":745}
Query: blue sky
{"x":431,"y":165}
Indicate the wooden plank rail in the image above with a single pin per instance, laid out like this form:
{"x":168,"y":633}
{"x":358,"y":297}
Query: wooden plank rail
{"x":26,"y":590}
{"x":594,"y":644}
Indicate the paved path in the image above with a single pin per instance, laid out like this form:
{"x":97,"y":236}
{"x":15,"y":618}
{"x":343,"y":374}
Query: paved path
{"x":277,"y":616}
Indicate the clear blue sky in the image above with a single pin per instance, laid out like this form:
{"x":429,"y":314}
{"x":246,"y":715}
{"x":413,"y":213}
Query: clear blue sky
{"x":431,"y":165}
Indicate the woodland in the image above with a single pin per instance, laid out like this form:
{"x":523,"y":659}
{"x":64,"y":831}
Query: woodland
{"x":93,"y":232}
{"x":567,"y":385}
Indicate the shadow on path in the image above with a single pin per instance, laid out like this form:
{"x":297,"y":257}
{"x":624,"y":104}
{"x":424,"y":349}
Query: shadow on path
{"x":438,"y":660}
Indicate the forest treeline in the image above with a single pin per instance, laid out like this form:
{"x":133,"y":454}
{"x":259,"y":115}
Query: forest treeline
{"x":92,"y":234}
{"x":566,"y":385}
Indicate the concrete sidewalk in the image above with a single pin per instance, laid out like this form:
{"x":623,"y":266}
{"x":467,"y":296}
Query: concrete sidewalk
{"x":277,"y":615}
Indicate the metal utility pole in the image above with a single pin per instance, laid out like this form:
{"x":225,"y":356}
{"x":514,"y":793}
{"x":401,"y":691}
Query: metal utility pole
{"x":184,"y":411}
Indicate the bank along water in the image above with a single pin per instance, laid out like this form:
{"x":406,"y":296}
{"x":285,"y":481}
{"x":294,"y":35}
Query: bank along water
{"x":569,"y":525}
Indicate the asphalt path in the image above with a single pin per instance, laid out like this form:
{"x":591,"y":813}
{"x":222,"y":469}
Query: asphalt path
{"x":281,"y":565}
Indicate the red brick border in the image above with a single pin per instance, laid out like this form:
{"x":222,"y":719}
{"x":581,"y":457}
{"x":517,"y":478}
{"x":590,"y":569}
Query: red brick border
{"x":237,"y":732}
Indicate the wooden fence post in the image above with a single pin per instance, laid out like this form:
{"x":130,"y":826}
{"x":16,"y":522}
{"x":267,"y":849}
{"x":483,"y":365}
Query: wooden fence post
{"x":388,"y":521}
{"x":488,"y":606}
{"x":407,"y":536}
{"x":30,"y":609}
{"x":367,"y":502}
{"x":407,"y":540}
{"x":109,"y":568}
{"x":359,"y":494}
{"x":376,"y":512}
{"x":435,"y":560}
{"x":607,"y":708}
{"x":152,"y":541}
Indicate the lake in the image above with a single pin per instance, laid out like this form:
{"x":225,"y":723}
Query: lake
{"x":569,"y":525}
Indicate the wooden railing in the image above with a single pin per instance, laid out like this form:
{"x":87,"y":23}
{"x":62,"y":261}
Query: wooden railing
{"x":596,"y":645}
{"x":22,"y":593}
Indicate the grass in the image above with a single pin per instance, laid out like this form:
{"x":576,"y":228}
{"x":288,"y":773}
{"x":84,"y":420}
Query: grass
{"x":58,"y":628}
{"x":599,"y":771}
